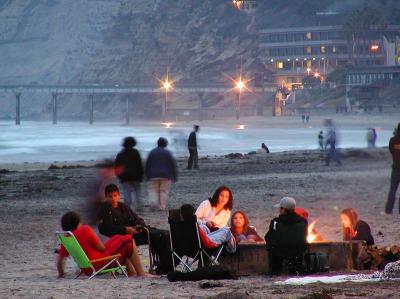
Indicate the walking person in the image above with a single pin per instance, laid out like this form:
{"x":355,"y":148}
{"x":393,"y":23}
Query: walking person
{"x":394,"y":148}
{"x":129,"y":170}
{"x":160,"y":171}
{"x":331,"y":140}
{"x":192,"y":147}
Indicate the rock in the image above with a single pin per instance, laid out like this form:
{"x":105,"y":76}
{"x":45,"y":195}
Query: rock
{"x":210,"y":284}
{"x":234,"y":156}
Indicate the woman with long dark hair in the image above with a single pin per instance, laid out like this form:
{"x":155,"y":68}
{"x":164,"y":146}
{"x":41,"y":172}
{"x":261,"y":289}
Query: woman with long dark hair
{"x":241,"y":229}
{"x":355,"y":229}
{"x":215,"y":212}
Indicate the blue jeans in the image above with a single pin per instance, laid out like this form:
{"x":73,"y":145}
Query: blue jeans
{"x":220,"y":236}
{"x":394,"y":184}
{"x":129,"y":189}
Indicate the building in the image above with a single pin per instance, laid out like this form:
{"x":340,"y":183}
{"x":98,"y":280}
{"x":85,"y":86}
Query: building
{"x":297,"y":52}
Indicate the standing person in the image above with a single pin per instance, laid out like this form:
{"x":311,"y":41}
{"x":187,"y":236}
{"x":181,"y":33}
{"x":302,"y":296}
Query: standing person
{"x":286,"y":239}
{"x":307,"y":118}
{"x":374,"y":137}
{"x":394,"y":148}
{"x":331,"y":140}
{"x":192,"y":147}
{"x":129,"y":170}
{"x":370,"y":137}
{"x":321,"y":140}
{"x":161,"y":171}
{"x":303,"y":118}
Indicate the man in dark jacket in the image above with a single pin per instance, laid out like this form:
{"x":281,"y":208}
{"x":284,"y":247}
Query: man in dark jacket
{"x":161,"y":171}
{"x":394,"y":148}
{"x":286,"y":239}
{"x":192,"y":147}
{"x":129,"y":170}
{"x":116,"y":218}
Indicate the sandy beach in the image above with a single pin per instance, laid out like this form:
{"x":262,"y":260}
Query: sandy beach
{"x":34,"y":200}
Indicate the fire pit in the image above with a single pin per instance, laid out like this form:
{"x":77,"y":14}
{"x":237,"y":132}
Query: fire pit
{"x":252,"y":258}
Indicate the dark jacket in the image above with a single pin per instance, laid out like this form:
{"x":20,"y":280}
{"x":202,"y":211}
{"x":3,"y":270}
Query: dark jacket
{"x":161,"y":164}
{"x":287,"y":235}
{"x":192,"y":140}
{"x":113,"y":221}
{"x":394,"y":148}
{"x":364,"y":233}
{"x":131,"y":162}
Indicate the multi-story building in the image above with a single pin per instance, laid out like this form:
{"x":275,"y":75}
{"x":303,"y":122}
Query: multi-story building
{"x":297,"y":52}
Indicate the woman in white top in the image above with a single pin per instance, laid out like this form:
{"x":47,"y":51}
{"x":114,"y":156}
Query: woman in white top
{"x":215,"y":212}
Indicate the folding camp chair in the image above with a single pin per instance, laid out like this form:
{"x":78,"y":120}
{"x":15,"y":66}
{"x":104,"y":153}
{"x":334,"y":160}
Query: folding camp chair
{"x":185,"y":241}
{"x":154,"y":259}
{"x":75,"y":250}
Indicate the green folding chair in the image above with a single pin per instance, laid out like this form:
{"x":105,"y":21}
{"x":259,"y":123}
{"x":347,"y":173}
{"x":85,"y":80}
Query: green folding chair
{"x":70,"y":243}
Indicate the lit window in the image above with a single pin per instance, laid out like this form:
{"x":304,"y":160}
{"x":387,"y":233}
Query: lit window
{"x":323,"y":50}
{"x":309,"y":63}
{"x":309,"y":35}
{"x":308,"y":50}
{"x":334,"y":49}
{"x":279,"y":65}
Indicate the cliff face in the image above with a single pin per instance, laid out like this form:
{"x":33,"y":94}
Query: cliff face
{"x":128,"y":42}
{"x":116,"y":42}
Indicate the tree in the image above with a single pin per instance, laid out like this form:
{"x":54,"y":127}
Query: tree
{"x":357,"y":26}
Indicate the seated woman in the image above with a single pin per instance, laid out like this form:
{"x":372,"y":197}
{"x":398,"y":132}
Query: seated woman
{"x":95,"y":249}
{"x":208,"y":238}
{"x":241,"y":229}
{"x":354,"y":229}
{"x":215,"y":212}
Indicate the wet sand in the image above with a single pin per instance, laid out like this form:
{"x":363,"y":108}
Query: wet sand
{"x":33,"y":201}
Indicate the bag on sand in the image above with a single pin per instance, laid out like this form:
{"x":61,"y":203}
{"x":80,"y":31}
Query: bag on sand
{"x":210,"y":273}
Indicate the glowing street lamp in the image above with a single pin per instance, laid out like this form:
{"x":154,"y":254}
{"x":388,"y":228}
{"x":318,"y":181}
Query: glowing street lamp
{"x":374,"y":48}
{"x":239,"y":84}
{"x":167,"y":85}
{"x":308,"y":71}
{"x":316,"y":75}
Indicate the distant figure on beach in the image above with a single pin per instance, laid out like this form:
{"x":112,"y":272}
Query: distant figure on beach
{"x":129,"y":170}
{"x":321,"y":140}
{"x":94,"y":248}
{"x":371,"y":137}
{"x":262,"y":150}
{"x":286,"y":239}
{"x":161,"y":171}
{"x":355,"y":229}
{"x":307,"y":118}
{"x":192,"y":147}
{"x":211,"y":238}
{"x":394,"y":148}
{"x":241,"y":229}
{"x":116,"y":218}
{"x":215,"y":212}
{"x":303,"y":118}
{"x":331,"y":141}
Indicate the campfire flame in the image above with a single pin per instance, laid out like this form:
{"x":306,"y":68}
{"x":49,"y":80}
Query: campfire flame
{"x":312,"y":234}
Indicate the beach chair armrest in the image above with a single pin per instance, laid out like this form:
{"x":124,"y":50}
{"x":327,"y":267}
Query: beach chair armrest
{"x":107,"y":258}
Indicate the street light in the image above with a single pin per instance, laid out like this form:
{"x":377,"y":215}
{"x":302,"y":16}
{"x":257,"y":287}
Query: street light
{"x":167,"y":85}
{"x":308,"y":71}
{"x":239,"y":84}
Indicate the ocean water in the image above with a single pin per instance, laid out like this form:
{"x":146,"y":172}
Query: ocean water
{"x":44,"y":142}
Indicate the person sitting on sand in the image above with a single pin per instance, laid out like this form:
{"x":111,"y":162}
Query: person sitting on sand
{"x":241,"y":229}
{"x":263,"y":150}
{"x":354,"y":229}
{"x":116,"y":218}
{"x":211,"y":239}
{"x":215,"y":212}
{"x":95,"y":249}
{"x":286,"y":239}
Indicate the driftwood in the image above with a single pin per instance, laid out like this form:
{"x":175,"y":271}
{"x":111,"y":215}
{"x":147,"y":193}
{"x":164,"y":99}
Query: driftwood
{"x":373,"y":257}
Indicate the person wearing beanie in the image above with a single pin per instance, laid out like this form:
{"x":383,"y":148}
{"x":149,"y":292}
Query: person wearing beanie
{"x":286,"y":239}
